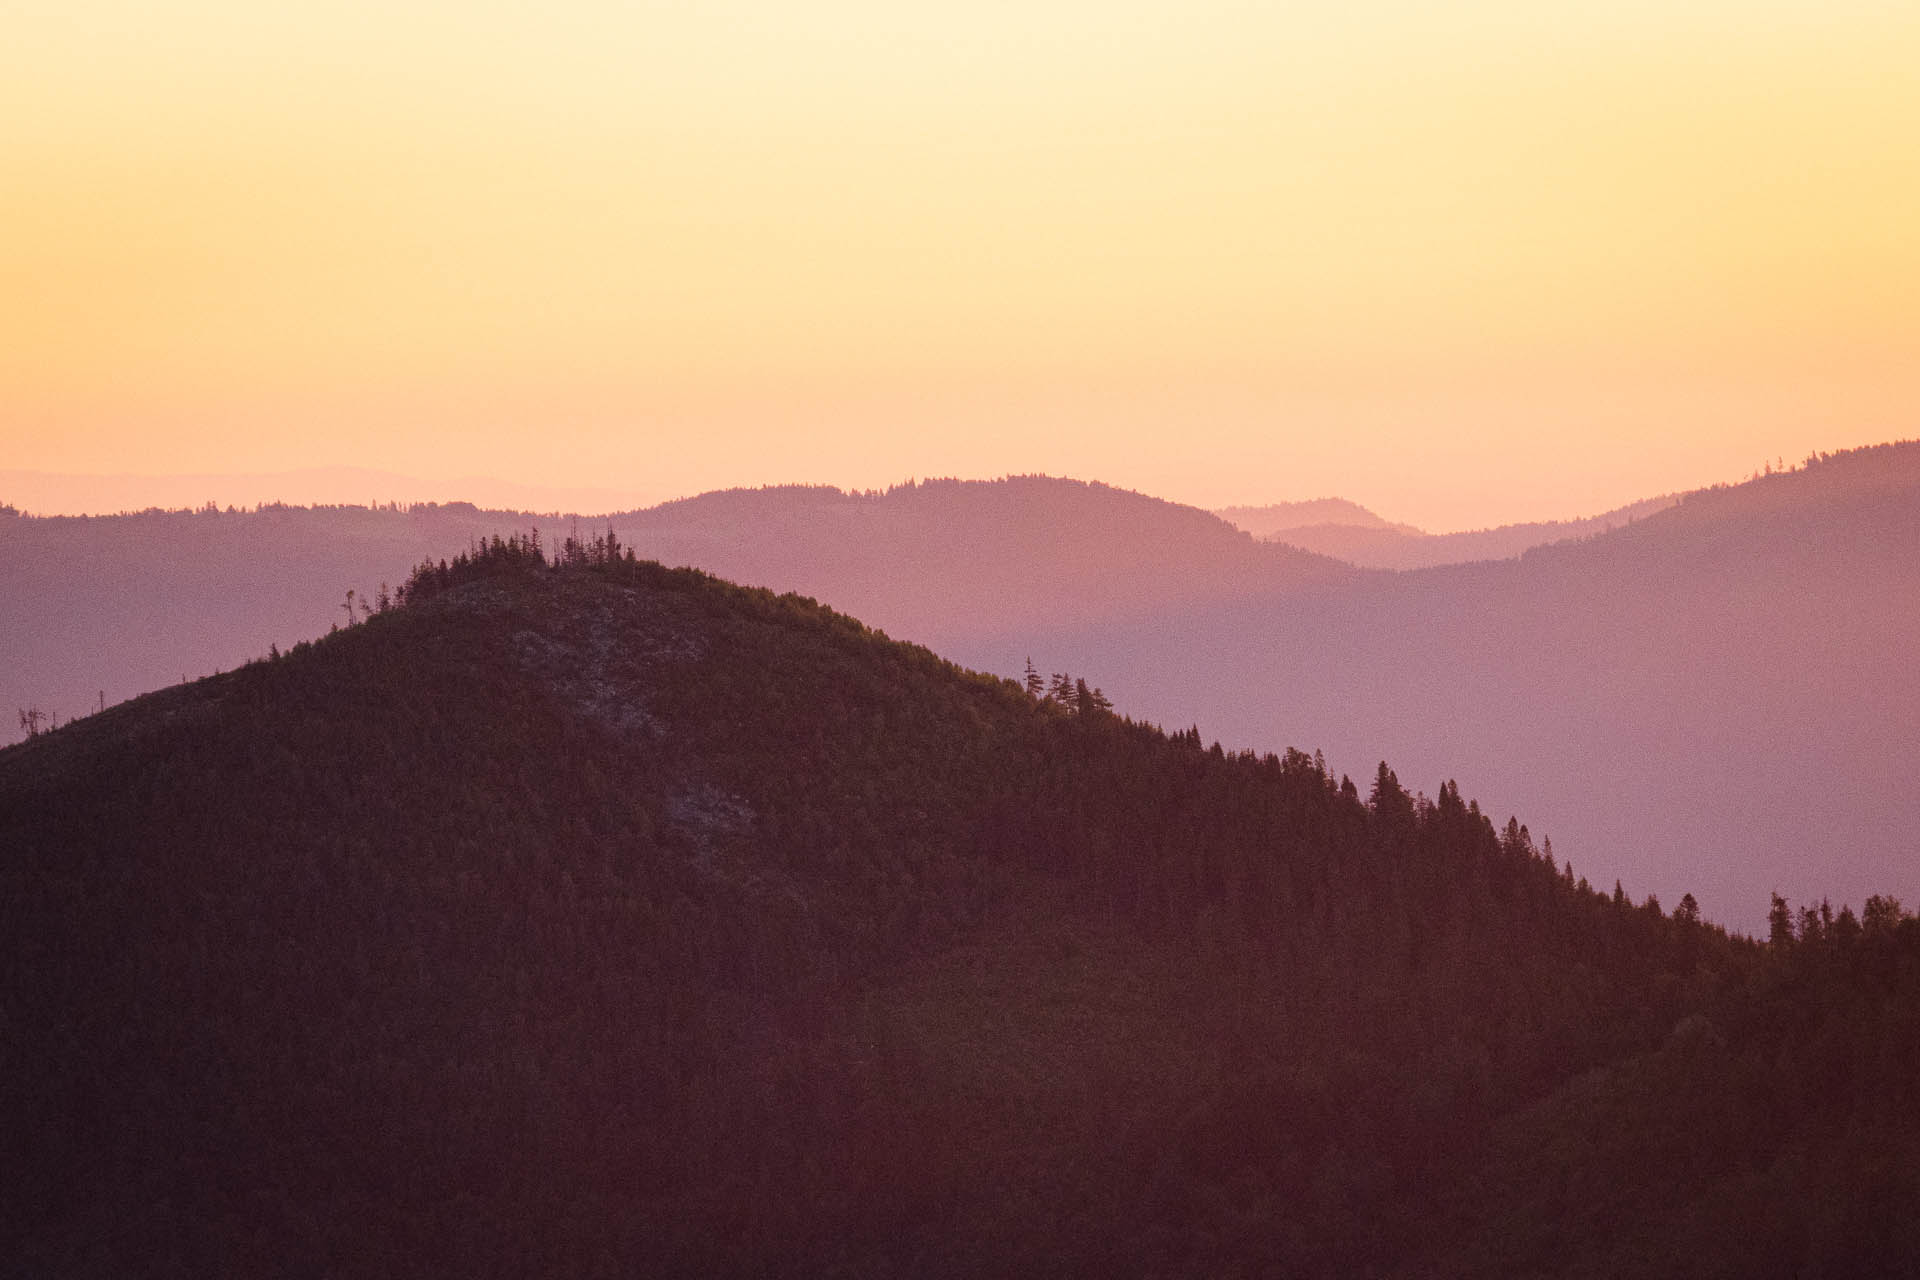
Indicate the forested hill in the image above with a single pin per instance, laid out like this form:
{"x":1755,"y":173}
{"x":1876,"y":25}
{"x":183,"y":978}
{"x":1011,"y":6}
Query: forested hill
{"x":613,"y":920}
{"x":948,"y":562}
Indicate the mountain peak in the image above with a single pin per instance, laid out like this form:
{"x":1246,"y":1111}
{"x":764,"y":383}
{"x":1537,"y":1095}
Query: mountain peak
{"x":1277,"y":518}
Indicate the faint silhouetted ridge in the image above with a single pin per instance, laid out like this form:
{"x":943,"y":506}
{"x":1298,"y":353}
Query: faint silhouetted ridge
{"x":1276,"y":518}
{"x":1404,"y":547}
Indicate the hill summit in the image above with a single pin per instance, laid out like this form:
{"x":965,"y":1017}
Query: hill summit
{"x":580,"y":916}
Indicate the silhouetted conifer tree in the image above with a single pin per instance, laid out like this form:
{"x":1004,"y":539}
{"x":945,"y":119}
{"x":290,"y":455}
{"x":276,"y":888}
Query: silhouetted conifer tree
{"x":1780,"y":923}
{"x":1812,"y":930}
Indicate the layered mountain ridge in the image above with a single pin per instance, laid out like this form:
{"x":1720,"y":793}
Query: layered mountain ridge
{"x":1712,"y":698}
{"x":1361,"y":538}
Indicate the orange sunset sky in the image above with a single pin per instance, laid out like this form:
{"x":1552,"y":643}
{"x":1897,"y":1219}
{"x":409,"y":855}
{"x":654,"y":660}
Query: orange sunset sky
{"x":1466,"y":263}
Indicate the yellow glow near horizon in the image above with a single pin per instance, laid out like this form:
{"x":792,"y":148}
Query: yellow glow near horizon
{"x":1466,"y":263}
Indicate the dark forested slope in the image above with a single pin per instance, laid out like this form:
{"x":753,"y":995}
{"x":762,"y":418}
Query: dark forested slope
{"x":614,"y":920}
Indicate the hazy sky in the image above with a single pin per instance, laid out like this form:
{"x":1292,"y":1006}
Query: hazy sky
{"x":1466,"y":263}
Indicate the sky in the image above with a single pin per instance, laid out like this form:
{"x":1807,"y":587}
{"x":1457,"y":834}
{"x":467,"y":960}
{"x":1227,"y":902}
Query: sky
{"x":1467,"y":264}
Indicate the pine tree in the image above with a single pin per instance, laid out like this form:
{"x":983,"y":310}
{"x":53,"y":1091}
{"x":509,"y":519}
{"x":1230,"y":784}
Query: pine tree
{"x":1812,"y":929}
{"x":1780,"y":923}
{"x":1386,"y":789}
{"x":1083,"y":701}
{"x":1390,"y":803}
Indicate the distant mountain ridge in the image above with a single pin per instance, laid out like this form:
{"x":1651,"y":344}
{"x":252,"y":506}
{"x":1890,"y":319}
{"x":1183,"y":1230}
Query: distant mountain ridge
{"x":1346,"y":531}
{"x":1279,"y":517}
{"x":940,"y":558}
{"x":55,"y":493}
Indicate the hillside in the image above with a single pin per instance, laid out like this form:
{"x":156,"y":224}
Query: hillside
{"x":614,"y":920}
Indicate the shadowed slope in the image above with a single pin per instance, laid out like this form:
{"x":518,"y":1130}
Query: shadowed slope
{"x":615,"y":920}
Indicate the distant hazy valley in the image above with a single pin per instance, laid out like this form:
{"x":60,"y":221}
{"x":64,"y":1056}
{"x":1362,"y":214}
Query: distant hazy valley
{"x":1346,"y":531}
